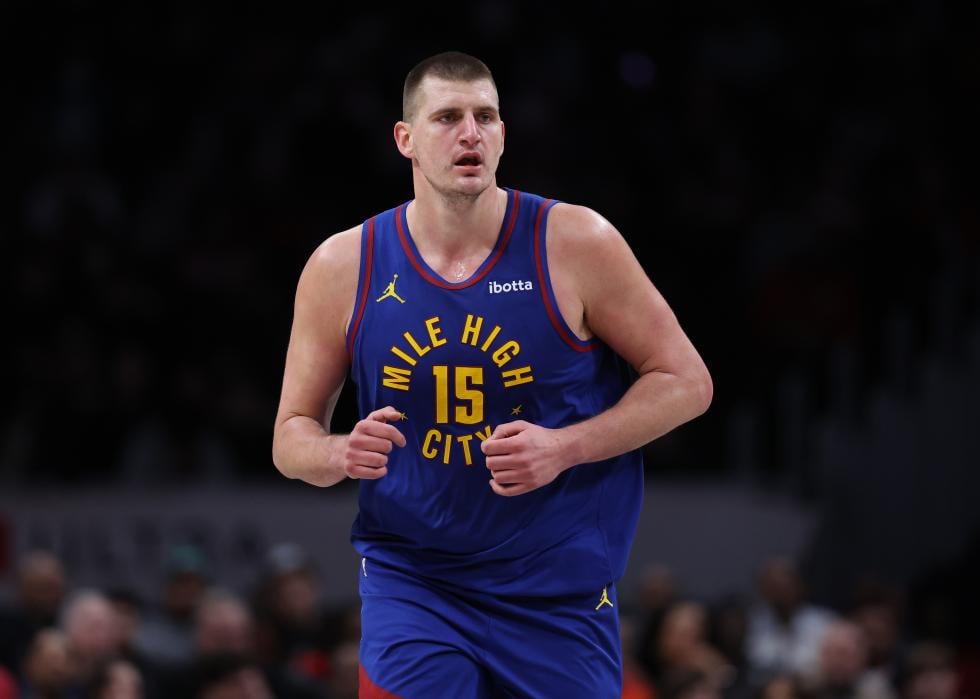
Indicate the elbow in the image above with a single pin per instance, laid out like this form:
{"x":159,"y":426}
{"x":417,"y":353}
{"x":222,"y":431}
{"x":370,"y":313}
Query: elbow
{"x":279,"y":459}
{"x":702,"y":392}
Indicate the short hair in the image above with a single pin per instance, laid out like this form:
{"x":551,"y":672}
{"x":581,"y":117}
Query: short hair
{"x":449,"y":65}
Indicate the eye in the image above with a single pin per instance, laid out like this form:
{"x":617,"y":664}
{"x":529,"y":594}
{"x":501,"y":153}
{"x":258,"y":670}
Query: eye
{"x":485,"y":117}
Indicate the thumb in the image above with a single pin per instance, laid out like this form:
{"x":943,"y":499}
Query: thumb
{"x":385,"y":414}
{"x":509,"y":429}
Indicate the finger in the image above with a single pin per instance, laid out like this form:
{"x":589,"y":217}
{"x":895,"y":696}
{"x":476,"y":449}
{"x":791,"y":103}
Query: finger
{"x":509,"y":429}
{"x":494,"y":447}
{"x":506,"y":476}
{"x":365,"y":472}
{"x":385,"y":414}
{"x":371,"y":459}
{"x":366,"y":442}
{"x":502,"y":463}
{"x":381,"y":430}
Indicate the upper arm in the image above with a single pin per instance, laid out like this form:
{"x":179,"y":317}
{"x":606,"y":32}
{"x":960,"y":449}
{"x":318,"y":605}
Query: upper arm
{"x":316,"y":360}
{"x":616,"y":298}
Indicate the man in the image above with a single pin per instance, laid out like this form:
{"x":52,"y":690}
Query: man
{"x":501,"y":481}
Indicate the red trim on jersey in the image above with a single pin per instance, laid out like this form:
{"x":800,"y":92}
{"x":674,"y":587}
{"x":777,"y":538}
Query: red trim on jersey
{"x":439,"y":281}
{"x":571,"y":341}
{"x":368,"y":689}
{"x":365,"y":288}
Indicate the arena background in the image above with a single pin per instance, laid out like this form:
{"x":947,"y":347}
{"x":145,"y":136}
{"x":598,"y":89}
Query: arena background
{"x":795,"y":180}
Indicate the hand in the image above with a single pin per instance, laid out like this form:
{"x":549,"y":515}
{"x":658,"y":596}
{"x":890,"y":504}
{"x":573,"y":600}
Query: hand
{"x":523,"y":457}
{"x":370,"y":442}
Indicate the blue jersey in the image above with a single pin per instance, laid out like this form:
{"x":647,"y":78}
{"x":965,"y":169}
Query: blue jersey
{"x":457,"y":360}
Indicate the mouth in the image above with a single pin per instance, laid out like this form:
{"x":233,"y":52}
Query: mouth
{"x":468,"y":161}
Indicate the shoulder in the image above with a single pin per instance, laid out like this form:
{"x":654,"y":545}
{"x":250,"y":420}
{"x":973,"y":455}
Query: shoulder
{"x":328,"y":283}
{"x":580,"y":229}
{"x":337,"y":253}
{"x":585,"y":241}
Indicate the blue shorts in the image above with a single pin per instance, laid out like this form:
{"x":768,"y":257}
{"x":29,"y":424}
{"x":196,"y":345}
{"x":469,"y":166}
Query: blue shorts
{"x":424,"y":641}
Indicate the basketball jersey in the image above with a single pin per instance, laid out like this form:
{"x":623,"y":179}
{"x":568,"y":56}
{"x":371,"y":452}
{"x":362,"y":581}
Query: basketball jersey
{"x":457,"y":360}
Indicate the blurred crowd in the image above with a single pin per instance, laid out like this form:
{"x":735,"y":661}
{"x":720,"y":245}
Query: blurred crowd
{"x":279,"y":640}
{"x":173,"y":173}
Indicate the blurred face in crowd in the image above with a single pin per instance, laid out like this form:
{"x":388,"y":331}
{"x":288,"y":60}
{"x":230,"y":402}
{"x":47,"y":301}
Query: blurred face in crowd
{"x":455,"y":136}
{"x":938,"y":683}
{"x":843,"y":654}
{"x":92,"y":630}
{"x":123,"y":682}
{"x":224,"y":625}
{"x":682,"y":633}
{"x":781,"y":687}
{"x":295,"y":597}
{"x":48,"y":665}
{"x":781,"y":587}
{"x":41,"y":585}
{"x":880,"y":627}
{"x":184,"y":591}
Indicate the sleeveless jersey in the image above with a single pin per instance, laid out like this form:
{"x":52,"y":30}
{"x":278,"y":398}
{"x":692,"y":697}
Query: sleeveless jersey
{"x":457,"y":360}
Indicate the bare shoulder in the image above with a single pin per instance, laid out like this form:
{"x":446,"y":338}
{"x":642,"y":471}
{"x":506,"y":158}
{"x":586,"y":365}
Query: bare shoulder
{"x":578,"y":235}
{"x":329,"y":280}
{"x":586,"y":250}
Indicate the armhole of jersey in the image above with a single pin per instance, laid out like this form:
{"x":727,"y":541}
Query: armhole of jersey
{"x":363,"y":285}
{"x":544,"y":282}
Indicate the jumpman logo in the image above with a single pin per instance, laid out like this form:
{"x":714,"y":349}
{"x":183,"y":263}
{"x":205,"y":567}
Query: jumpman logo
{"x":604,"y":600}
{"x":390,"y":292}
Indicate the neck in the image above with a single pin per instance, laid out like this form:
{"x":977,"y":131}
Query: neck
{"x":454,"y":225}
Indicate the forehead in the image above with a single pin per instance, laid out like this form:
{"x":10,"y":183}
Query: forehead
{"x":436,"y":93}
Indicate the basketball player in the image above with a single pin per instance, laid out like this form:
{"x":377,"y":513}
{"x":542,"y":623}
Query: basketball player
{"x":486,"y":330}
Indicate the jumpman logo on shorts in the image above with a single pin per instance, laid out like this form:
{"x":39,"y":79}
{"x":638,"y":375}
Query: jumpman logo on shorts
{"x":604,"y":600}
{"x":390,"y":293}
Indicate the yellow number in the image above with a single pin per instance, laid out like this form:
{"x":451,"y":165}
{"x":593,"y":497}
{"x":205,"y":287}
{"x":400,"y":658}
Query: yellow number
{"x":441,"y":372}
{"x":470,"y":410}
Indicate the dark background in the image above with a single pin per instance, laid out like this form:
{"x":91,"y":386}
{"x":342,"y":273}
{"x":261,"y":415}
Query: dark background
{"x":787,"y":176}
{"x":796,"y":180}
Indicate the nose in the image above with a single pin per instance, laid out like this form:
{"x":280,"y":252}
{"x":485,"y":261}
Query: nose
{"x":469,"y":133}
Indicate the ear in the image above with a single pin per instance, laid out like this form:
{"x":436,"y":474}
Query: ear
{"x":403,"y":139}
{"x":503,"y":133}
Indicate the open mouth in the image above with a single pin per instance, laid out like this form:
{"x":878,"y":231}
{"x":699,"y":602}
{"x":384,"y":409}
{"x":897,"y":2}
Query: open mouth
{"x":469,"y":160}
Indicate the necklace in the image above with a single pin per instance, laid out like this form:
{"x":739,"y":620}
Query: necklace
{"x":460,"y":271}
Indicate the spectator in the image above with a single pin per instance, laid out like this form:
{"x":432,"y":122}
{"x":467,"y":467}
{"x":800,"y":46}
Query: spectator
{"x":784,"y":631}
{"x":842,"y":670}
{"x":92,"y":633}
{"x":928,"y":672}
{"x":40,"y":589}
{"x":165,"y":639}
{"x":48,"y":668}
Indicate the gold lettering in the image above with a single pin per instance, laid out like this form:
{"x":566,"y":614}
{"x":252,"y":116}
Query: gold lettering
{"x":484,"y":436}
{"x":434,"y":332}
{"x":502,"y":356}
{"x":465,"y":441}
{"x":398,"y":352}
{"x":472,"y":329}
{"x":397,"y":377}
{"x":493,"y":334}
{"x":427,"y":449}
{"x":515,"y":377}
{"x":420,"y":351}
{"x":445,"y":454}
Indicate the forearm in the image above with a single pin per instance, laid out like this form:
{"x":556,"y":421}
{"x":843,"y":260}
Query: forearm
{"x":302,"y":449}
{"x":653,"y":406}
